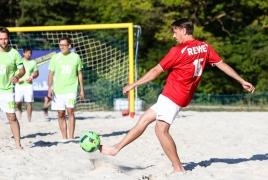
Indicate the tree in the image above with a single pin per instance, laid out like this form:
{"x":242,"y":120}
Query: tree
{"x":47,"y":12}
{"x":237,"y":30}
{"x":9,"y":13}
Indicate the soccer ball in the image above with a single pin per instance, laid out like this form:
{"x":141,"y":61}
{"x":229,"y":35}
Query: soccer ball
{"x":89,"y":141}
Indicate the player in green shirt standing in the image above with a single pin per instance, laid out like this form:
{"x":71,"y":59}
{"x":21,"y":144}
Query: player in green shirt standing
{"x":65,"y":73}
{"x":10,"y":62}
{"x":24,"y":88}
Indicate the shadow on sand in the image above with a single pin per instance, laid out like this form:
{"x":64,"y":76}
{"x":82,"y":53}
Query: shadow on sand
{"x":49,"y":144}
{"x":37,"y":134}
{"x":191,"y":165}
{"x":114,"y":134}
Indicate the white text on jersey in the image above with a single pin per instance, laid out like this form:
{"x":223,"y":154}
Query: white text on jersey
{"x":196,"y":50}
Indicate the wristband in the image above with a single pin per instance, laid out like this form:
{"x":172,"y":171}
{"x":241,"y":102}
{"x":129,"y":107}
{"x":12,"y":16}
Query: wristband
{"x":29,"y":79}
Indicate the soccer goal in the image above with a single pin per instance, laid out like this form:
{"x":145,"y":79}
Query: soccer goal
{"x":107,"y":52}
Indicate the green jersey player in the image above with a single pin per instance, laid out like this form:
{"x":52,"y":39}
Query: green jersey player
{"x":65,"y":74}
{"x":24,"y":88}
{"x":10,"y":62}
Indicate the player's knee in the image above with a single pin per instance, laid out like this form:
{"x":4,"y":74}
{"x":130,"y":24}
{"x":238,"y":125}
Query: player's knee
{"x":29,"y":104}
{"x":70,"y":113}
{"x":160,"y":130}
{"x":61,"y":114}
{"x":12,"y":117}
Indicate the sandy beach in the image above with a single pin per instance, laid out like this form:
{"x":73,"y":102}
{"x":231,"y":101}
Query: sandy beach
{"x":211,"y":145}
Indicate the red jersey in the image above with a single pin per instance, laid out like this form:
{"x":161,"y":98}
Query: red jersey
{"x":186,"y":63}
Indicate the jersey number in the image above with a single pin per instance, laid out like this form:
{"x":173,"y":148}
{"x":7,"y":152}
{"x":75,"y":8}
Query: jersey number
{"x":2,"y":69}
{"x":65,"y":69}
{"x":197,"y":67}
{"x":71,"y":102}
{"x":11,"y":105}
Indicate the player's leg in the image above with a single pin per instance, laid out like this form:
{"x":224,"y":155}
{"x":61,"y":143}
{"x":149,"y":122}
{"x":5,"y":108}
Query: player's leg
{"x":28,"y":98}
{"x":58,"y":103}
{"x":62,"y":123}
{"x":71,"y":122}
{"x":7,"y":105}
{"x":19,"y":99}
{"x":47,"y":103}
{"x":166,"y":112}
{"x":147,"y":118}
{"x":70,"y":103}
{"x":168,"y":145}
{"x":15,"y":128}
{"x":29,"y":111}
{"x":19,"y":106}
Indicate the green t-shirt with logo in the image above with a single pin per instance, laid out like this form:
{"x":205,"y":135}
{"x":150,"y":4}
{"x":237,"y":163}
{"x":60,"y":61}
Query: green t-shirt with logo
{"x":30,"y":67}
{"x":65,"y":68}
{"x":10,"y":62}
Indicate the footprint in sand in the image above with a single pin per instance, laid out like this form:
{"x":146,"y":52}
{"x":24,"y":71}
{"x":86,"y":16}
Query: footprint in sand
{"x":102,"y":164}
{"x":163,"y":176}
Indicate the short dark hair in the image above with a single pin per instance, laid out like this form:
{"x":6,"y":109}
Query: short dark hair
{"x":4,"y":30}
{"x":67,"y":39}
{"x":27,"y":49}
{"x":184,"y":23}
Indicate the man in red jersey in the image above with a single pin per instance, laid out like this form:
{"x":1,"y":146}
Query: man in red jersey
{"x":186,"y":63}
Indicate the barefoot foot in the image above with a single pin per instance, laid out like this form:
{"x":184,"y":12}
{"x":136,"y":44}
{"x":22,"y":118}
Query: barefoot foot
{"x":108,"y":150}
{"x":178,"y":171}
{"x":18,"y":147}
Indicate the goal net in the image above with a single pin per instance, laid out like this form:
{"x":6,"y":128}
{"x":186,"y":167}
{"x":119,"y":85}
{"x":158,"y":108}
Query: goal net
{"x":107,"y":53}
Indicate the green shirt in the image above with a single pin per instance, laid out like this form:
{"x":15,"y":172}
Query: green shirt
{"x":30,"y":67}
{"x":65,"y":68}
{"x":10,"y":62}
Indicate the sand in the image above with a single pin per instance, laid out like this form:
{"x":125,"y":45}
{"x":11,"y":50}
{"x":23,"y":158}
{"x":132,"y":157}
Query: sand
{"x":211,"y":145}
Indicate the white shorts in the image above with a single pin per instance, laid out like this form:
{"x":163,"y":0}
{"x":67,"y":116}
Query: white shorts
{"x":166,"y":110}
{"x":62,"y":101}
{"x":7,"y":103}
{"x":24,"y":93}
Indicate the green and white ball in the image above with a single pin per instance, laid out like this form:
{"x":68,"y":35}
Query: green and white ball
{"x":89,"y":141}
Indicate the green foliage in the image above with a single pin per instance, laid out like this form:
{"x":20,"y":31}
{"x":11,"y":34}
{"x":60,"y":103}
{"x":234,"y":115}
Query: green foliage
{"x":9,"y":13}
{"x":47,"y":12}
{"x":108,"y":11}
{"x":149,"y":93}
{"x":237,"y":30}
{"x":257,"y":99}
{"x":104,"y":93}
{"x":104,"y":86}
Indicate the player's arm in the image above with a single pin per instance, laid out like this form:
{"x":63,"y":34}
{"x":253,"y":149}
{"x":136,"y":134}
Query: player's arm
{"x":36,"y":74}
{"x":21,"y":73}
{"x":50,"y":80}
{"x":149,"y":76}
{"x":231,"y":72}
{"x":82,"y":91}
